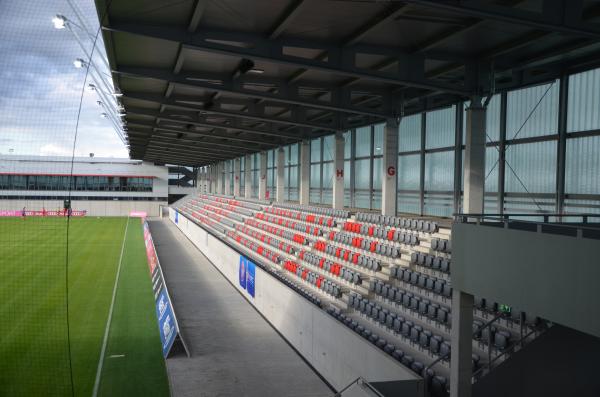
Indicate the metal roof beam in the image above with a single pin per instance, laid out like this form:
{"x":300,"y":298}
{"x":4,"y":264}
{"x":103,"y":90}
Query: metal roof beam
{"x":290,"y":13}
{"x":340,"y":60}
{"x":190,"y":103}
{"x":553,"y":21}
{"x":232,"y":87}
{"x":142,"y":138}
{"x":260,"y":143}
{"x":198,"y":121}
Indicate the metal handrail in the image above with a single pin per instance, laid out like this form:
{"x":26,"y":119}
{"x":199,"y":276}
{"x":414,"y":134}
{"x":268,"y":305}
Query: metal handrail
{"x":461,"y":217}
{"x":479,"y":329}
{"x":359,"y":380}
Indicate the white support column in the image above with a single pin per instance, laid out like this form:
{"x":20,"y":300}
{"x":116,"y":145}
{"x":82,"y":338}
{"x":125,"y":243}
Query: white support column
{"x":227,"y":178}
{"x":236,"y":177}
{"x":389,"y":165}
{"x":338,"y":170}
{"x":280,"y":175}
{"x":262,"y":175}
{"x":461,"y":341}
{"x":248,"y":177}
{"x":304,"y":172}
{"x":474,"y":163}
{"x":462,"y":302}
{"x":211,"y":179}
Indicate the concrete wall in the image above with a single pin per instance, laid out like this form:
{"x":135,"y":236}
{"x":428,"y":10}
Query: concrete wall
{"x":93,"y":207}
{"x":335,"y":351}
{"x":554,"y":277}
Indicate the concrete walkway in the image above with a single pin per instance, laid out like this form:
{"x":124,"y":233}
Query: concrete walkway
{"x":235,"y":352}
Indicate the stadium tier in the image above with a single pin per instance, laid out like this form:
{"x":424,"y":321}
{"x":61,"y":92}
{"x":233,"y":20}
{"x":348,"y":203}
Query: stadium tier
{"x":386,"y":278}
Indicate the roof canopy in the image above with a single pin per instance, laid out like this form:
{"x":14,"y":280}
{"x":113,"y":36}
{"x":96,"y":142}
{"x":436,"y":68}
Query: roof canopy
{"x":209,"y":80}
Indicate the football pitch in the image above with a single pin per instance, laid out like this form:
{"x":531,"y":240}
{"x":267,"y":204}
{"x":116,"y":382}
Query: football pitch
{"x":34,"y":335}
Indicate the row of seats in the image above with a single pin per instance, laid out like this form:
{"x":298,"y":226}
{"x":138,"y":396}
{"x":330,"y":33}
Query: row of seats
{"x":221,"y":211}
{"x":229,"y":207}
{"x":301,"y":227}
{"x":389,"y":234}
{"x":519,"y":317}
{"x":259,"y":249}
{"x":205,"y":220}
{"x":313,"y":278}
{"x":424,"y":307}
{"x":301,"y":290}
{"x":301,"y":216}
{"x":432,"y":261}
{"x":349,"y":256}
{"x":331,"y":267}
{"x":412,"y":224}
{"x":430,"y":283}
{"x":273,"y":242}
{"x":437,"y":384}
{"x":286,"y":234}
{"x":501,"y":339}
{"x":442,"y":245}
{"x":365,"y":244}
{"x":240,"y":203}
{"x":336,"y":213}
{"x":214,"y":216}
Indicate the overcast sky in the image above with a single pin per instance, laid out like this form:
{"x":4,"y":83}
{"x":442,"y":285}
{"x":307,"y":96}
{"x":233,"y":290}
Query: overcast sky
{"x":40,"y":88}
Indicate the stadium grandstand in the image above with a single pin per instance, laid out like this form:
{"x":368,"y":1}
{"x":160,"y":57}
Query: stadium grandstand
{"x":337,"y":198}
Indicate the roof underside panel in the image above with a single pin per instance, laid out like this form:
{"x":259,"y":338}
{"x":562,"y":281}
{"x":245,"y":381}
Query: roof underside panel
{"x":207,"y":80}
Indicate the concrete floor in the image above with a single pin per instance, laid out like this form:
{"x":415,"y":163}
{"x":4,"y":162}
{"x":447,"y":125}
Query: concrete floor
{"x":235,"y":352}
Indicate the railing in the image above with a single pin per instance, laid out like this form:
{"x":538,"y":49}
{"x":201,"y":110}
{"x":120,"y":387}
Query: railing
{"x":574,"y":225}
{"x":361,"y":382}
{"x":491,"y":361}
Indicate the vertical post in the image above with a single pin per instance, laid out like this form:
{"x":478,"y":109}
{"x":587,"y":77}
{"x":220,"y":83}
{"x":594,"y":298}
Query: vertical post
{"x":390,"y":161}
{"x":502,"y":153}
{"x":461,"y":344}
{"x":458,"y":144}
{"x":236,"y":177}
{"x":338,"y":169}
{"x":219,"y":170}
{"x":475,"y":158}
{"x":262,"y":176}
{"x":280,"y":175}
{"x":371,"y":162}
{"x":227,"y":178}
{"x":422,"y":163}
{"x":352,"y":168}
{"x":562,"y":144}
{"x":304,"y":172}
{"x":248,"y":176}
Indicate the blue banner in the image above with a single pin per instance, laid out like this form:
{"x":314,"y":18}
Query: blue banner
{"x":242,"y":272}
{"x":166,"y":322}
{"x":176,"y":216}
{"x":250,"y":277}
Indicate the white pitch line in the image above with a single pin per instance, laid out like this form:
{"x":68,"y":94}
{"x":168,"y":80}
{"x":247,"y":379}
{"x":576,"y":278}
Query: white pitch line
{"x":110,"y":312}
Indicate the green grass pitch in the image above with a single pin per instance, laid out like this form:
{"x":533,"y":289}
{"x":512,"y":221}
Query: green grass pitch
{"x":33,"y":316}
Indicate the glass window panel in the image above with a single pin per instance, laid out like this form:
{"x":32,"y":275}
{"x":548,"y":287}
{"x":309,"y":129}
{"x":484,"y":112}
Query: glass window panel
{"x":363,"y":142}
{"x":293,"y":177}
{"x":439,"y":128}
{"x":328,"y":175}
{"x":439,"y":171}
{"x":583,"y":109}
{"x":362,"y":169}
{"x":294,"y":158}
{"x":410,"y":133}
{"x":378,"y":139}
{"x":582,"y":174}
{"x":315,"y":176}
{"x":347,"y":144}
{"x":409,"y":170}
{"x":315,"y":150}
{"x":532,"y":111}
{"x":491,"y":169}
{"x":535,"y":165}
{"x":377,"y":172}
{"x":328,"y":147}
